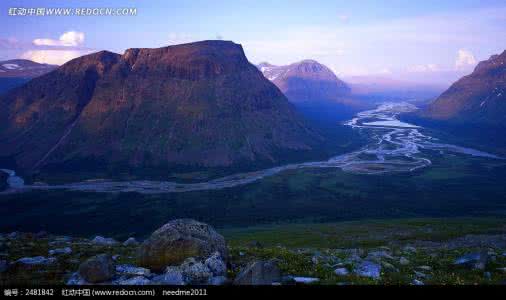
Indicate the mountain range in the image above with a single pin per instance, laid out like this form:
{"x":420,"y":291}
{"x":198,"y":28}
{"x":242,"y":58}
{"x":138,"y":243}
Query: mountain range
{"x":307,"y":81}
{"x":200,"y":104}
{"x":16,"y":72}
{"x":479,"y":98}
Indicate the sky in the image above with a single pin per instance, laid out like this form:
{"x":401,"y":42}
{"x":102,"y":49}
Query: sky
{"x":420,"y":41}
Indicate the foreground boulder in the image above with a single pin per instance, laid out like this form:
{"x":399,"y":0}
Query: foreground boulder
{"x":178,"y":240}
{"x":259,"y":273}
{"x":98,"y":268}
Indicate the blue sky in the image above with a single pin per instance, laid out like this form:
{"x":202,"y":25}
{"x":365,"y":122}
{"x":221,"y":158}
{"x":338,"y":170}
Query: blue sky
{"x":429,"y":41}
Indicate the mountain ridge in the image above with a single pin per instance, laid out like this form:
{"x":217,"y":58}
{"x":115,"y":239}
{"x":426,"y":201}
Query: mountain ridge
{"x":197,"y":104}
{"x":306,"y":81}
{"x":478,"y":98}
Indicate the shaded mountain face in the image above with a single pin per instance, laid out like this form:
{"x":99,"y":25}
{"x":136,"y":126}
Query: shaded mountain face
{"x":198,"y":104}
{"x":307,"y":81}
{"x":16,"y":72}
{"x":479,"y":98}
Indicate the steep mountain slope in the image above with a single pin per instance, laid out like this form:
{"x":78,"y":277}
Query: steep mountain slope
{"x":307,"y":81}
{"x":200,"y":104}
{"x":479,"y":98}
{"x":16,"y":72}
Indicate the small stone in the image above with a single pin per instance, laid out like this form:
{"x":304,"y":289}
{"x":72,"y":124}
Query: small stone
{"x":420,"y":274}
{"x":403,"y":261}
{"x":389,"y":267}
{"x":60,"y":251}
{"x":216,"y":264}
{"x":195,"y":272}
{"x":137,"y":280}
{"x":476,"y":261}
{"x":37,"y":260}
{"x":130,"y":242}
{"x":76,"y":279}
{"x":132,"y":270}
{"x":417,"y":282}
{"x":102,"y":241}
{"x":425,"y":268}
{"x":306,"y":280}
{"x":98,"y":268}
{"x":409,"y":249}
{"x":341,"y":272}
{"x":368,"y":269}
{"x":172,"y":276}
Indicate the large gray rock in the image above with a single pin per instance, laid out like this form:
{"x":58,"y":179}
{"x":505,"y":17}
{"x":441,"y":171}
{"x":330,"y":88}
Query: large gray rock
{"x":178,"y":240}
{"x":259,"y":273}
{"x":98,"y":268}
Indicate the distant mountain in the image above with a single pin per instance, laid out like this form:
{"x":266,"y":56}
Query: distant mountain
{"x":23,"y":68}
{"x":200,"y":104}
{"x":16,"y":72}
{"x":384,"y":88}
{"x":307,"y":81}
{"x":479,"y":98}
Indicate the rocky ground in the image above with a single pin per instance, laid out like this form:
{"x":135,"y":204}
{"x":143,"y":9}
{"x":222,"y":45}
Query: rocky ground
{"x":188,"y":252}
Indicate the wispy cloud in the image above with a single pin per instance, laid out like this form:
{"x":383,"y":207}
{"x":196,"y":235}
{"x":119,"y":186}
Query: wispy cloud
{"x":67,"y":39}
{"x":53,"y":57}
{"x":465,"y":59}
{"x":405,"y":46}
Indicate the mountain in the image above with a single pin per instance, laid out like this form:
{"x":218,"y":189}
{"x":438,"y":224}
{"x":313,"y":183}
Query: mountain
{"x":200,"y":104}
{"x":23,"y":68}
{"x":384,"y":88}
{"x":16,"y":72}
{"x":307,"y":81}
{"x":479,"y":98}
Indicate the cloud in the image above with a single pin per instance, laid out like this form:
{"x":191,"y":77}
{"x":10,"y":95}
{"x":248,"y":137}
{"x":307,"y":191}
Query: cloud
{"x":423,"y":68}
{"x":464,"y":59}
{"x":53,"y":57}
{"x":343,"y":18}
{"x":67,"y":39}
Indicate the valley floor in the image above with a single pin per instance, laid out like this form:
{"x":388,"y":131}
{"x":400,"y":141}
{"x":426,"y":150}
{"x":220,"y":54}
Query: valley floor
{"x":402,"y":251}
